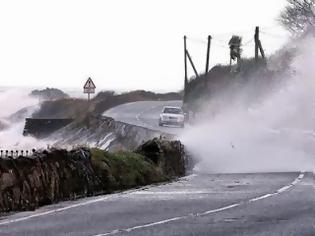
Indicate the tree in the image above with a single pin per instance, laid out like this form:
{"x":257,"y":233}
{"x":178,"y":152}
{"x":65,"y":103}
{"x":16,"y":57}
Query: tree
{"x":298,"y":16}
{"x":235,"y":49}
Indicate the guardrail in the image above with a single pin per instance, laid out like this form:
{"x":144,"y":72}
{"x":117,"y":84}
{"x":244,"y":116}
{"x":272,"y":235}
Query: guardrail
{"x":15,"y":153}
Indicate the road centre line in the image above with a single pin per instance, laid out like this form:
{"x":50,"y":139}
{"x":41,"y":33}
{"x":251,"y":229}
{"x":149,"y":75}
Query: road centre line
{"x":279,"y":191}
{"x":84,"y":203}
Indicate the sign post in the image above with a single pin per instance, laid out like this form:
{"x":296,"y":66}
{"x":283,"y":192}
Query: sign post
{"x":89,"y":87}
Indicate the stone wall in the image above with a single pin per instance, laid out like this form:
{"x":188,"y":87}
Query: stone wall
{"x":50,"y":176}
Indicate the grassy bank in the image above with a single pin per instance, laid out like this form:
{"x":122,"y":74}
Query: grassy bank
{"x":124,"y":170}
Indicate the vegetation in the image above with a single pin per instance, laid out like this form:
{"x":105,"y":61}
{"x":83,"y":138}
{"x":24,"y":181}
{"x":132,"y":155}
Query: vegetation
{"x":79,"y":108}
{"x":221,"y":78}
{"x":62,"y":108}
{"x":124,"y":170}
{"x":49,"y":94}
{"x":235,"y":47}
{"x":298,"y":16}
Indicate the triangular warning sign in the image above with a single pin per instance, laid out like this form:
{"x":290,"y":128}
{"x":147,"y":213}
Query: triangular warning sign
{"x":89,"y":84}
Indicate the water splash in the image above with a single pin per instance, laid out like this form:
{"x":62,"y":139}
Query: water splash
{"x":11,"y":137}
{"x":274,"y":134}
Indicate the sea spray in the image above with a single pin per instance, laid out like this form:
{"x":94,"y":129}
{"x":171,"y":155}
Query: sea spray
{"x":276,"y":133}
{"x":13,"y":104}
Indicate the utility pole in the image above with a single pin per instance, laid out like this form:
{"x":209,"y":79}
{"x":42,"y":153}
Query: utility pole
{"x":192,"y":63}
{"x":208,"y":54}
{"x":256,"y":37}
{"x":258,"y":46}
{"x":185,"y":62}
{"x":262,"y":52}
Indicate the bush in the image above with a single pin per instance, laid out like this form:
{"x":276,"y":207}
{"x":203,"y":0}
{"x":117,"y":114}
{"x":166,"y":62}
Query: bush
{"x":124,"y":170}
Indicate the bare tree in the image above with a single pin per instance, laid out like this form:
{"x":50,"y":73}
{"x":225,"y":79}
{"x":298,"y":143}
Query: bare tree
{"x":235,"y":44}
{"x":298,"y":16}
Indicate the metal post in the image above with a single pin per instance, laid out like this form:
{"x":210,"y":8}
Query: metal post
{"x":208,"y":54}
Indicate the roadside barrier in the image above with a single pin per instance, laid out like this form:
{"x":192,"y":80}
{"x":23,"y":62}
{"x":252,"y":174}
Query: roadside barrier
{"x":16,"y":153}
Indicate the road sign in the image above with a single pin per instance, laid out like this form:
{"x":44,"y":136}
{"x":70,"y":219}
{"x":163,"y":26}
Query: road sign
{"x":89,"y":86}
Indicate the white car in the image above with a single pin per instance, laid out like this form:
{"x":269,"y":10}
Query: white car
{"x":172,"y":116}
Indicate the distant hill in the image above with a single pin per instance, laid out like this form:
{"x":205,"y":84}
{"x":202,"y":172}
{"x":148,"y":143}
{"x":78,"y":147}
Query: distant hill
{"x":78,"y":108}
{"x":3,"y":125}
{"x":49,"y":94}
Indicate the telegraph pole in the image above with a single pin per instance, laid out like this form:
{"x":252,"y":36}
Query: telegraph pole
{"x":258,"y":46}
{"x":192,"y":63}
{"x":208,"y":54}
{"x":256,"y":37}
{"x":185,"y":62}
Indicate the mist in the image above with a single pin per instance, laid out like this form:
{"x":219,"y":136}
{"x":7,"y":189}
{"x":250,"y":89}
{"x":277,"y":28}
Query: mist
{"x":12,"y":119}
{"x":276,"y":133}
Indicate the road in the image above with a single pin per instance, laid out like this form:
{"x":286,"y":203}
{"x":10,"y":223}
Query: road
{"x":198,"y":204}
{"x":144,"y":113}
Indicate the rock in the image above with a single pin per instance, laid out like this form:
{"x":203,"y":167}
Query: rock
{"x":168,"y":155}
{"x":46,"y":177}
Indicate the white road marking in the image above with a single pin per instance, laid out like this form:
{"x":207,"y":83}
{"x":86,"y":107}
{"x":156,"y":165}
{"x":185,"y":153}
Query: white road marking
{"x":219,"y":209}
{"x":172,"y":192}
{"x":260,"y":198}
{"x":5,"y":222}
{"x":99,"y":199}
{"x":281,"y":190}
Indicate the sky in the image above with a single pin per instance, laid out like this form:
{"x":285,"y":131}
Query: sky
{"x":125,"y":44}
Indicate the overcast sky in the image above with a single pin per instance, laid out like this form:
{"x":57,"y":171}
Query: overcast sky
{"x":124,"y":44}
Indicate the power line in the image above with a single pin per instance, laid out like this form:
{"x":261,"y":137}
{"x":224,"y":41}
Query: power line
{"x":272,"y":34}
{"x":219,"y":40}
{"x":197,"y":40}
{"x":220,"y":44}
{"x":248,"y":42}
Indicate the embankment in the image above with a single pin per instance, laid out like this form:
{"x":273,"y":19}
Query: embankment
{"x":104,"y":133}
{"x":51,"y":176}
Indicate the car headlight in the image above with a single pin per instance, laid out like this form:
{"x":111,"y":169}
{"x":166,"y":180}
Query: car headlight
{"x":163,"y":117}
{"x":180,"y":119}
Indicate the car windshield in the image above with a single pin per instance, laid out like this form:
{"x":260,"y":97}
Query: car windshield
{"x":172,"y":110}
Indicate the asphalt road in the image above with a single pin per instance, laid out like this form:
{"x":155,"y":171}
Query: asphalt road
{"x":199,"y":204}
{"x":145,"y":113}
